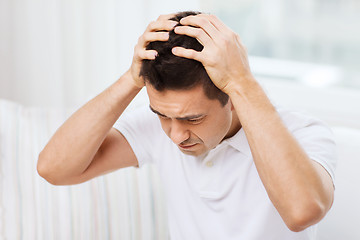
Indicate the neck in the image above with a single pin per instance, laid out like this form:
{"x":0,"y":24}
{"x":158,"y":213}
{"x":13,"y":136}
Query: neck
{"x":235,"y":125}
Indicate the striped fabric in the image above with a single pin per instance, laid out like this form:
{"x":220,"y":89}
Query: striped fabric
{"x":126,"y":204}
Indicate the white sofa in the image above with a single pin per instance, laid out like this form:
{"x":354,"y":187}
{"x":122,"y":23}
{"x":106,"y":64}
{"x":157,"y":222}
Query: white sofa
{"x":128,"y":204}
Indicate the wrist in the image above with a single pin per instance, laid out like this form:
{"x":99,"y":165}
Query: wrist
{"x":124,"y":89}
{"x":241,"y":86}
{"x":250,"y":97}
{"x":129,"y":80}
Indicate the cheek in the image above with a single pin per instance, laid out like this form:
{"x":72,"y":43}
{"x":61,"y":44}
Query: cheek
{"x":213,"y":131}
{"x":219,"y":127}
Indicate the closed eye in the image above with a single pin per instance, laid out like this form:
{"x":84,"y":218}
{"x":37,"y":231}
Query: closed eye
{"x":163,"y":117}
{"x":195,"y":120}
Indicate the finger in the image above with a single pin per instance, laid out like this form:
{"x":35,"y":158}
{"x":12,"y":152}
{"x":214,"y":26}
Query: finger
{"x":166,"y":16}
{"x":195,"y":32}
{"x":165,"y":25}
{"x":187,"y":53}
{"x":146,"y":54}
{"x":238,"y":38}
{"x":152,"y":37}
{"x":202,"y":22}
{"x":217,"y":23}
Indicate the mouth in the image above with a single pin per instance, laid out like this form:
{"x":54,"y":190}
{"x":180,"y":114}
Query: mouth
{"x":187,"y":146}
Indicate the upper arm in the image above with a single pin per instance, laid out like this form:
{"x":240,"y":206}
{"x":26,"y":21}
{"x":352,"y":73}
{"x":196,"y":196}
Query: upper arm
{"x":317,"y":140}
{"x":114,"y":153}
{"x":327,"y":186}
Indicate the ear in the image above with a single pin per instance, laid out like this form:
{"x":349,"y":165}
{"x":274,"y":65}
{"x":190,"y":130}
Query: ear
{"x":231,"y":105}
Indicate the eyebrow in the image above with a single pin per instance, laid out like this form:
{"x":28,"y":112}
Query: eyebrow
{"x":178,"y":118}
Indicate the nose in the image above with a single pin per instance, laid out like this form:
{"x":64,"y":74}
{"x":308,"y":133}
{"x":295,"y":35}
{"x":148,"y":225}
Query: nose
{"x":178,"y":132}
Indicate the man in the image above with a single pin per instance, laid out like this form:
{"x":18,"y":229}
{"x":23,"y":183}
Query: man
{"x":234,"y":166}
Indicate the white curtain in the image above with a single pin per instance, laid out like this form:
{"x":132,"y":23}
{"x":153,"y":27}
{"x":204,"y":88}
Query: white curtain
{"x":59,"y":53}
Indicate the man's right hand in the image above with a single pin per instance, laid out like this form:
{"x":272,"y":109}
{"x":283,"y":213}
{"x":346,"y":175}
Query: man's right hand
{"x":154,"y":32}
{"x":86,"y":145}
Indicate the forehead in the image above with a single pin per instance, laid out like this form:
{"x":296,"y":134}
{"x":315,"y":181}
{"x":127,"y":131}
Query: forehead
{"x":181,"y":103}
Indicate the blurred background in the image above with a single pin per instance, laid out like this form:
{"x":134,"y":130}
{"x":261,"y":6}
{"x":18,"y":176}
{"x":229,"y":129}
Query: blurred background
{"x":318,"y":39}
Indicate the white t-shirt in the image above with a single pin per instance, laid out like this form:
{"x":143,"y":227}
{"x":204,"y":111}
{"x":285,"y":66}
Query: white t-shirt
{"x":220,"y":195}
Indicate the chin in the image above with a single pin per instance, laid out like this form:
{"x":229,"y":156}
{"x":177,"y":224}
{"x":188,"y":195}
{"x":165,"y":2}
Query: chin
{"x":194,"y":153}
{"x":189,"y":153}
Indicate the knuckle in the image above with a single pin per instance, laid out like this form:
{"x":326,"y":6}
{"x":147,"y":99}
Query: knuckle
{"x":191,"y":54}
{"x":227,"y":39}
{"x":162,"y":16}
{"x":197,"y":32}
{"x":142,"y":54}
{"x":140,"y":39}
{"x":210,"y":62}
{"x":245,"y":49}
{"x":202,"y":21}
{"x":138,"y":54}
{"x":222,"y":40}
{"x":213,"y":17}
{"x":137,"y":51}
{"x":147,"y":54}
{"x":151,"y":25}
{"x":145,"y":36}
{"x":234,"y":36}
{"x":217,"y":52}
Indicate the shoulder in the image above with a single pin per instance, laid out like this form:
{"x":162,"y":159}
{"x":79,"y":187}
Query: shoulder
{"x":140,"y":127}
{"x":295,"y":120}
{"x":315,"y":137}
{"x":139,"y":119}
{"x":142,"y":130}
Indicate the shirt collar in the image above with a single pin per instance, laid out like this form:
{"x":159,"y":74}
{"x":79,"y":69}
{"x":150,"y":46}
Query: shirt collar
{"x":239,"y":142}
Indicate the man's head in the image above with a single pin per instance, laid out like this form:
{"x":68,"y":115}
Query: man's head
{"x":193,"y":112}
{"x":170,"y":72}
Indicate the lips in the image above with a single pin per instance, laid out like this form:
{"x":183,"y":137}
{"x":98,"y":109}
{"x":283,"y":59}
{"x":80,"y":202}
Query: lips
{"x":187,"y":146}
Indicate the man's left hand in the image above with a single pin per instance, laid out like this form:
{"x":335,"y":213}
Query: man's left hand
{"x":223,"y":56}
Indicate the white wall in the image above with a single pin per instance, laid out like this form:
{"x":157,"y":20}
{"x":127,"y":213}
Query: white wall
{"x":60,"y":53}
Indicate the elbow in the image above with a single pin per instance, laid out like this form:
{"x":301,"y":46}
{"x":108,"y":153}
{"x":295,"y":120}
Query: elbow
{"x":41,"y":167}
{"x":45,"y":171}
{"x":56,"y":172}
{"x":302,"y":218}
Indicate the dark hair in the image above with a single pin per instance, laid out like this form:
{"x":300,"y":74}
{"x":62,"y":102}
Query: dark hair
{"x":171,"y":72}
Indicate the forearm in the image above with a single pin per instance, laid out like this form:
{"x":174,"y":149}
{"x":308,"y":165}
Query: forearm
{"x":288,"y":174}
{"x":72,"y":148}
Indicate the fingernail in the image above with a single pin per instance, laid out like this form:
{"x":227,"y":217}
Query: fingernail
{"x":173,"y":24}
{"x":155,"y":54}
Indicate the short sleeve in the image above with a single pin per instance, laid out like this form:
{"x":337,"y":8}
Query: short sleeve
{"x":140,"y":127}
{"x":316,"y":138}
